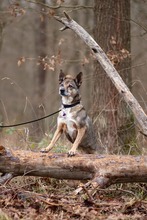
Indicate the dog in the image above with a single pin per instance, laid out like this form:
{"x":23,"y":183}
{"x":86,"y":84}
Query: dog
{"x":73,"y":119}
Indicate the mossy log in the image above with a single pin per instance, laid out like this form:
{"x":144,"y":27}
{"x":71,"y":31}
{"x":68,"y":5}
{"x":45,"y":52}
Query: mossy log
{"x":103,"y":169}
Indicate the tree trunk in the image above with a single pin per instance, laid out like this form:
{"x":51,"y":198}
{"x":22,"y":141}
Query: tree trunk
{"x":1,"y":40}
{"x":41,"y":53}
{"x":114,"y":120}
{"x":105,"y":170}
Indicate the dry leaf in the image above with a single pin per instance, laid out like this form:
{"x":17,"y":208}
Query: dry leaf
{"x":21,"y":61}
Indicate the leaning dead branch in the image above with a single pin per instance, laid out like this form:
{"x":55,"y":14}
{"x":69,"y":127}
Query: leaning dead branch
{"x":102,"y":58}
{"x":104,"y":170}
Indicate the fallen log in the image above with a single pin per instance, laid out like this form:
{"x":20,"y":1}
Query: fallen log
{"x":110,"y":70}
{"x":102,"y":169}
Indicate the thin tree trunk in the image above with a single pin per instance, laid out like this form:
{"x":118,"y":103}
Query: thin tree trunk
{"x":1,"y":40}
{"x":113,"y":118}
{"x":41,"y":45}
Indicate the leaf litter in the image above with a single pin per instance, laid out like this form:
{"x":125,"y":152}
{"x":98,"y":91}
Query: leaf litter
{"x":30,"y":198}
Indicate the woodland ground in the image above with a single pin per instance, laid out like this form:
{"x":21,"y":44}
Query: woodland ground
{"x":43,"y":198}
{"x":31,"y":198}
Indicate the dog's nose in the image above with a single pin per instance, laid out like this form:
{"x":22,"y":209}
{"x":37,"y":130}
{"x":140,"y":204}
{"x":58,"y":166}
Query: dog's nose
{"x":62,"y":91}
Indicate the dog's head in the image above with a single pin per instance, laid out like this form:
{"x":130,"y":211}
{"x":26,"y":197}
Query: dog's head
{"x":69,"y":86}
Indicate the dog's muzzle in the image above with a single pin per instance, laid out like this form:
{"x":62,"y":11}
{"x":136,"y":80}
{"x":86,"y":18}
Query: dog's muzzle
{"x":62,"y":92}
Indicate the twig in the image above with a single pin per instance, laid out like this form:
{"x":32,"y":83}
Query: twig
{"x":79,"y":189}
{"x":88,"y":193}
{"x":67,"y":16}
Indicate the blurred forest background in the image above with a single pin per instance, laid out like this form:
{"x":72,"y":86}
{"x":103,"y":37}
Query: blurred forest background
{"x":33,"y":50}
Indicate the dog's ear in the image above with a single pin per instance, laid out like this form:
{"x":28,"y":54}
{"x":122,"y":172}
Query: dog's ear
{"x":61,"y":76}
{"x":78,"y":79}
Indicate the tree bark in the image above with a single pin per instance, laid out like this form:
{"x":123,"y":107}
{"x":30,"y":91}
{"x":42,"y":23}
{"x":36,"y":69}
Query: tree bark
{"x":114,"y":120}
{"x":41,"y":52}
{"x":1,"y":41}
{"x":116,"y":79}
{"x":104,"y":170}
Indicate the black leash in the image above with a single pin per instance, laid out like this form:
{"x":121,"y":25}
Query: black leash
{"x":28,"y":122}
{"x":39,"y":119}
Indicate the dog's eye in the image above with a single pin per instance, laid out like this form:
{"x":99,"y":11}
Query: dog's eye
{"x":70,"y":86}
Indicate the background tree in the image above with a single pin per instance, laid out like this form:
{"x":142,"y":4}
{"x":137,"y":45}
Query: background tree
{"x":1,"y":38}
{"x":114,"y":121}
{"x":41,"y":52}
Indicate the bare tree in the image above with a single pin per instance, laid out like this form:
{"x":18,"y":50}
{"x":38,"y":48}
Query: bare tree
{"x":1,"y":39}
{"x":41,"y":52}
{"x":112,"y":116}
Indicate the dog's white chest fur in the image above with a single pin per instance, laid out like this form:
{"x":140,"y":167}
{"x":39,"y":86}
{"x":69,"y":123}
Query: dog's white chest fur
{"x":66,"y":117}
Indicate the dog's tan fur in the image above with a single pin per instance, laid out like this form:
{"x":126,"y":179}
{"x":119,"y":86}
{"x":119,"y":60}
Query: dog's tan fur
{"x":73,"y":121}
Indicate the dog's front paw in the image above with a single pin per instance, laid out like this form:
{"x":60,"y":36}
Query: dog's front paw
{"x":44,"y":150}
{"x":71,"y":153}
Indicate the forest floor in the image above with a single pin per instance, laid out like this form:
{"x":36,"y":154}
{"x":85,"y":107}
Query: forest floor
{"x":30,"y":198}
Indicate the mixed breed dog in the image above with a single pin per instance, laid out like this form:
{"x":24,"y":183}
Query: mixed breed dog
{"x":73,"y":119}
